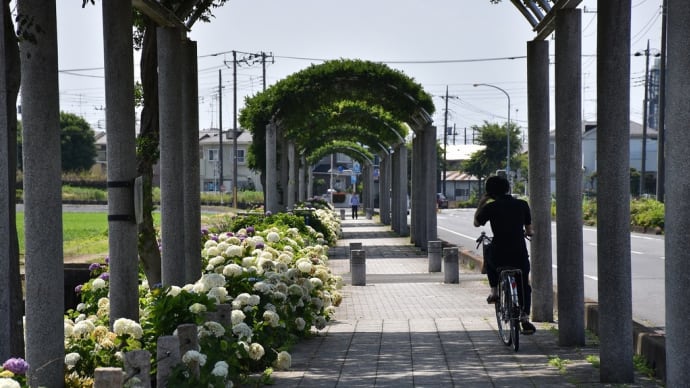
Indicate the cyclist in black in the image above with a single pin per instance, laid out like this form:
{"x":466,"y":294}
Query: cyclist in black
{"x":510,"y":220}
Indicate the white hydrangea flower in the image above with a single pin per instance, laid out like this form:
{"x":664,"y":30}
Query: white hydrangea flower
{"x":248,"y":261}
{"x":256,"y":351}
{"x":174,"y":291}
{"x":210,"y":243}
{"x":273,"y":237}
{"x":223,"y":245}
{"x":232,"y":270}
{"x":220,"y":294}
{"x":83,"y":328}
{"x":283,"y":361}
{"x":300,"y":323}
{"x":216,"y":261}
{"x":124,"y":326}
{"x":71,"y":359}
{"x":272,"y":318}
{"x":69,"y":328}
{"x":192,"y":355}
{"x":254,"y":300}
{"x":215,"y":328}
{"x":316,"y":282}
{"x":212,"y":251}
{"x":197,"y":308}
{"x":81,"y":307}
{"x":262,"y":287}
{"x":98,"y":283}
{"x":242,"y":330}
{"x":237,"y":317}
{"x":6,"y":382}
{"x":233,"y":251}
{"x":220,"y":369}
{"x":304,"y":266}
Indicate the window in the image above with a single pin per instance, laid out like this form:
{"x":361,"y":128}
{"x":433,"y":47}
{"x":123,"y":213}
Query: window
{"x":212,"y":154}
{"x":240,"y":156}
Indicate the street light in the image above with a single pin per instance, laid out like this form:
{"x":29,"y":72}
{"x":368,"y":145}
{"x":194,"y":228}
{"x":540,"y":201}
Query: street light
{"x":507,"y":129}
{"x":646,"y":53}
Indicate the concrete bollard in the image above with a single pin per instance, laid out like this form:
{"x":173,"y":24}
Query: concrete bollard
{"x":358,"y":264}
{"x":138,"y":368}
{"x":342,"y":214}
{"x":168,"y":349}
{"x":108,"y":377}
{"x":369,"y":213}
{"x":451,"y":271}
{"x":434,"y":255}
{"x":354,"y":246}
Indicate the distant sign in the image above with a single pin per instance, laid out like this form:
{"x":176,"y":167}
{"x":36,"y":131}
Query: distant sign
{"x":357,"y":168}
{"x":353,"y":179}
{"x":340,"y":168}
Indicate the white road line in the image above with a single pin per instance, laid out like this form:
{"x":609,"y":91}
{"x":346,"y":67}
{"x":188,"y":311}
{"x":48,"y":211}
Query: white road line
{"x":473,"y":238}
{"x":554,"y":266}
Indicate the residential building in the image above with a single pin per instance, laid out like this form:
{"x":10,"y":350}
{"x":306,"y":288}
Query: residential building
{"x":589,"y":153}
{"x":209,"y":161}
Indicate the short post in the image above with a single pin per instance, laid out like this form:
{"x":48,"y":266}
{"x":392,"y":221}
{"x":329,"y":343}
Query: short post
{"x":358,"y":264}
{"x":451,"y":271}
{"x":108,"y":377}
{"x":189,"y":340}
{"x":369,"y":212}
{"x":342,"y":214}
{"x":138,"y":368}
{"x":168,"y":350}
{"x":434,"y":255}
{"x":224,"y":314}
{"x":354,"y":246}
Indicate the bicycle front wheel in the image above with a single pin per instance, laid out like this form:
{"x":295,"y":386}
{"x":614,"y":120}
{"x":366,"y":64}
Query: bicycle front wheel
{"x":503,"y":308}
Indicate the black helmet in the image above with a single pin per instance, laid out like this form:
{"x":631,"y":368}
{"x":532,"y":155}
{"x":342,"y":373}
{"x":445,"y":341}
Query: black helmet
{"x":496,"y":186}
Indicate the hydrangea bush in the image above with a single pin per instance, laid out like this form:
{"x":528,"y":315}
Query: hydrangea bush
{"x":274,"y":276}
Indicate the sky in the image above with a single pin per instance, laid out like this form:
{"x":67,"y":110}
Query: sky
{"x":438,"y":43}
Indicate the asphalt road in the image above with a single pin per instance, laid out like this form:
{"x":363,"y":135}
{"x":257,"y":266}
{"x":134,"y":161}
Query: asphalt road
{"x":646,"y":253}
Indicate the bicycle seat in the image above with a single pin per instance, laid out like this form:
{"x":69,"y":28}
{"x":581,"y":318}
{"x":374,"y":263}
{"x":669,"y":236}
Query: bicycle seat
{"x":508,"y":269}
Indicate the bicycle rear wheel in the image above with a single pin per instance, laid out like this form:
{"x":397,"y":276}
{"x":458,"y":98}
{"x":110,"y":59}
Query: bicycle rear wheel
{"x":515,"y":326}
{"x":503,"y":308}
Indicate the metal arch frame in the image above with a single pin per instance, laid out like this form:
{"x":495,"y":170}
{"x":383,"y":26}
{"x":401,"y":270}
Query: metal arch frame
{"x":543,"y":24}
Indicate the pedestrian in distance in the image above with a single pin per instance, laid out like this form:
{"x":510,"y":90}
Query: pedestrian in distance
{"x":354,"y":202}
{"x":511,"y":221}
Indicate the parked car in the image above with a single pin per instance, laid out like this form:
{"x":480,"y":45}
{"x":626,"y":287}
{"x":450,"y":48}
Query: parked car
{"x":441,"y":201}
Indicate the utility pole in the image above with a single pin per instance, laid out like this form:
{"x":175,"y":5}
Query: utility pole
{"x":220,"y":134}
{"x":248,"y":59}
{"x":661,"y":135}
{"x":445,"y":143}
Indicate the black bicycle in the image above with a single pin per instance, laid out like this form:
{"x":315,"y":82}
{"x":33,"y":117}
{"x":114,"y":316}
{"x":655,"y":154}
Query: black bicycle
{"x":508,"y":304}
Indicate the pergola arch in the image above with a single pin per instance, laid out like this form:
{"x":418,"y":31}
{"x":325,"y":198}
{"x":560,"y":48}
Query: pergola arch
{"x":349,"y":148}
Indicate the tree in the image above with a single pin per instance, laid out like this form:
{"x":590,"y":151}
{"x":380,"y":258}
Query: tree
{"x":485,"y":162}
{"x":78,"y":143}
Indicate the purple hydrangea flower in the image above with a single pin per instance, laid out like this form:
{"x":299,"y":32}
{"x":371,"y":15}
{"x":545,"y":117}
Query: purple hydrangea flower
{"x":105,"y":276}
{"x":77,"y":289}
{"x":94,"y":267}
{"x":16,"y":365}
{"x":204,"y":231}
{"x":268,"y":213}
{"x":259,"y":245}
{"x":107,"y":259}
{"x":250,"y":230}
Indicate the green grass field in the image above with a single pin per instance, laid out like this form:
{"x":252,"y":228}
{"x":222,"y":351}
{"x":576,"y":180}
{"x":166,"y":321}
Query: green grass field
{"x":85,"y":235}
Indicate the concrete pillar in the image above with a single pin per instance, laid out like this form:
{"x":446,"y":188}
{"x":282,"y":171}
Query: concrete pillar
{"x":613,"y":183}
{"x":384,"y":190}
{"x":451,"y":267}
{"x":122,"y":159}
{"x":138,"y":366}
{"x":292,"y":178}
{"x":401,"y":189}
{"x":191,"y":168}
{"x":11,"y":296}
{"x":394,"y":194}
{"x":283,"y":170}
{"x":359,"y":268}
{"x":571,"y":300}
{"x":310,"y":180}
{"x":417,"y":229}
{"x":42,"y":198}
{"x":434,"y":256}
{"x":430,"y":182}
{"x":170,"y":117}
{"x":677,"y":212}
{"x":271,"y":188}
{"x":168,"y":351}
{"x":301,"y":179}
{"x":540,"y":179}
